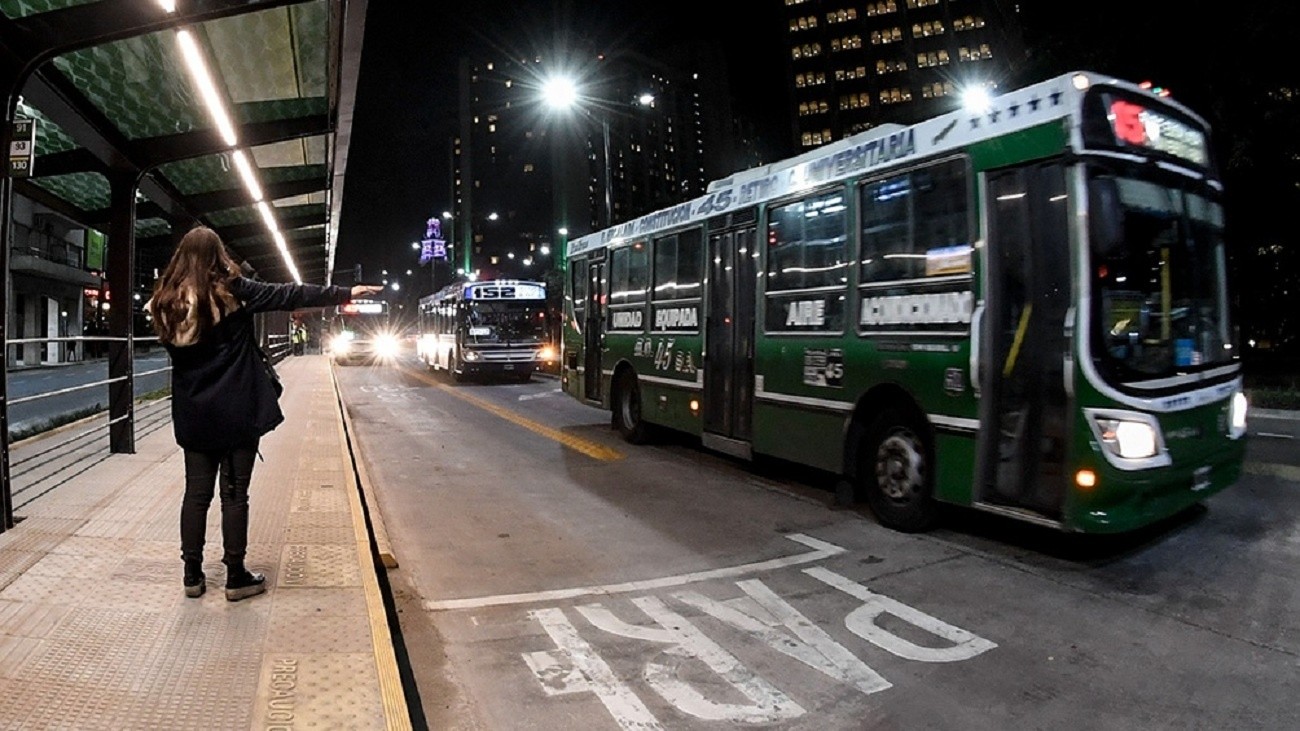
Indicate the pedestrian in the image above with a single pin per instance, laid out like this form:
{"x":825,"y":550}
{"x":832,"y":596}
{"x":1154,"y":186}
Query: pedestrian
{"x":299,"y":339}
{"x":223,"y":398}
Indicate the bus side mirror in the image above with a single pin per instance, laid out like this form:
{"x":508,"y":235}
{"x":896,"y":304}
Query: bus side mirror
{"x":1105,"y":215}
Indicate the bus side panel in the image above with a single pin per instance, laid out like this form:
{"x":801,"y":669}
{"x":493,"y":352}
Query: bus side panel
{"x":793,"y":418}
{"x":670,"y":407}
{"x":669,"y":356}
{"x":955,"y":459}
{"x":803,"y":436}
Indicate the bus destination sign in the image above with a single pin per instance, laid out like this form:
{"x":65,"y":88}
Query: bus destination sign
{"x":1139,"y":126}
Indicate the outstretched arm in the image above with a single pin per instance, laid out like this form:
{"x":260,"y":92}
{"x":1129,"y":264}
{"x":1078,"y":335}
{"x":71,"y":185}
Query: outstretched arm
{"x":266,"y":297}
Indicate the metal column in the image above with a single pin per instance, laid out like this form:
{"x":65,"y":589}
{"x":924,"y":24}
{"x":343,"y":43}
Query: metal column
{"x":121,"y":319}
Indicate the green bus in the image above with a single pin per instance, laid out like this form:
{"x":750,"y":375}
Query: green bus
{"x":1020,"y":306}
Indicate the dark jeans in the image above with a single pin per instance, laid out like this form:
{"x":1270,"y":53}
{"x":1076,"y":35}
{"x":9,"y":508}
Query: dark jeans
{"x":201,"y":470}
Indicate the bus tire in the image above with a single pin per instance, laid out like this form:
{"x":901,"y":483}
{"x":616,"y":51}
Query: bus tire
{"x":457,"y":370}
{"x":627,"y":410}
{"x":896,"y":472}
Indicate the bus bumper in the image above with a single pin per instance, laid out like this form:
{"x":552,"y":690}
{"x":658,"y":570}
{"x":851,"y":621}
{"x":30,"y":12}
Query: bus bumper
{"x":1151,"y":496}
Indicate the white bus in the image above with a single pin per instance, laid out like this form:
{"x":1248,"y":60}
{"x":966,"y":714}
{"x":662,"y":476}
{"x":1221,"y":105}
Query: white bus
{"x":493,"y":328}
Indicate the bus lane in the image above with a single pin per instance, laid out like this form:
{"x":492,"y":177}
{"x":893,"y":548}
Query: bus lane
{"x":673,"y":588}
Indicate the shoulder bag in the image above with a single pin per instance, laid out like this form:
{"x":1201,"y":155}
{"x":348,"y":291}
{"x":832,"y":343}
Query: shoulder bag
{"x":270,"y":368}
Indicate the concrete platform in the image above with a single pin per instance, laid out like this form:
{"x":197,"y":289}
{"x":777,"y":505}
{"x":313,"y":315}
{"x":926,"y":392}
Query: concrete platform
{"x":95,"y":630}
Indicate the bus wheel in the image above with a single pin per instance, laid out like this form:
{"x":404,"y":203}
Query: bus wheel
{"x":896,"y":473}
{"x":457,"y":370}
{"x":627,"y":411}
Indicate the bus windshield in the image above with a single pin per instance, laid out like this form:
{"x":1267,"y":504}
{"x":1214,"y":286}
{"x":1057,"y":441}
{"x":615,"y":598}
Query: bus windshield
{"x":1160,"y":291}
{"x":518,"y":321}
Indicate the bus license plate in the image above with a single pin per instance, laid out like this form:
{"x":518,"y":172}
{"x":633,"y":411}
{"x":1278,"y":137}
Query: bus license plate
{"x":510,"y":366}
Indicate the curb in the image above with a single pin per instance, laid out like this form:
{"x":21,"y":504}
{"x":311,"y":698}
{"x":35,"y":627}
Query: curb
{"x":384,"y":545}
{"x":397,"y":714}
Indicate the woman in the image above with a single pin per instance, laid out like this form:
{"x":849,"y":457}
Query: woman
{"x":223,"y":398}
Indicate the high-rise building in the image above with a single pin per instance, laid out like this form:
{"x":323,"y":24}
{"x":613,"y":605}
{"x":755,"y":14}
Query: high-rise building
{"x":854,"y":66}
{"x":643,"y":134}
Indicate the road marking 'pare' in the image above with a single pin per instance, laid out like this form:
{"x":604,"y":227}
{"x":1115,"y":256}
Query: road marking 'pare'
{"x":821,"y":550}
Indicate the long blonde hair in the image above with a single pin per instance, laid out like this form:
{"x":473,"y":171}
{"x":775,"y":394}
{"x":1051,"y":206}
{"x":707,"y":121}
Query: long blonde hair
{"x":193,"y":293}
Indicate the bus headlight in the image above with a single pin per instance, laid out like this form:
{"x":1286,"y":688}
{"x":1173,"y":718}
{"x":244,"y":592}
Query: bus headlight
{"x":386,"y":346}
{"x":1130,"y":440}
{"x":1133,"y":439}
{"x":470,"y":355}
{"x":546,"y":354}
{"x":1237,"y":415}
{"x":341,"y":345}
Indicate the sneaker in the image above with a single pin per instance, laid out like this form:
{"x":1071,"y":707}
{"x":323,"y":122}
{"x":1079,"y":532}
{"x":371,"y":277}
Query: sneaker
{"x":241,"y":587}
{"x":195,"y":586}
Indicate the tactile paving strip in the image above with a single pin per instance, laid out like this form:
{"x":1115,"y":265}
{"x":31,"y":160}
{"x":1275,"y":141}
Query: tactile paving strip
{"x":319,"y":500}
{"x":301,"y":691}
{"x":306,"y":565}
{"x":319,"y":528}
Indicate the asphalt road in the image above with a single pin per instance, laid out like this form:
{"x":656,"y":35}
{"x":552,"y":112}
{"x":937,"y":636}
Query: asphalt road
{"x":26,"y":416}
{"x":554,"y":577}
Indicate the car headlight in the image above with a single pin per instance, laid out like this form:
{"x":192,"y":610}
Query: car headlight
{"x":386,"y":346}
{"x":1237,"y":415}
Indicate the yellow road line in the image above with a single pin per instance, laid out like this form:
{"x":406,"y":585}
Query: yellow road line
{"x":577,"y":444}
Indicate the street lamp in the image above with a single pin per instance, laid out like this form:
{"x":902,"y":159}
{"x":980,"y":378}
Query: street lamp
{"x":561,"y":93}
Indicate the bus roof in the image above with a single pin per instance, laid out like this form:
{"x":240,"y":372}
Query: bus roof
{"x":879,"y":148}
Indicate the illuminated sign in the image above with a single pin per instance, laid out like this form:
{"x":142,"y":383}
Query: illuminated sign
{"x":433,"y":246}
{"x":500,"y":291}
{"x":1137,"y":125}
{"x":363,"y":307}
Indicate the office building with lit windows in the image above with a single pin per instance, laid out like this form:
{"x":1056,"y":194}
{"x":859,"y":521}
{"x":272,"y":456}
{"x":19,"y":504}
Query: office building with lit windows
{"x":857,"y":65}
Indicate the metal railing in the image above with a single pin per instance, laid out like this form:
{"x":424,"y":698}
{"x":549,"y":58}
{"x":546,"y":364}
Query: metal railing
{"x":57,"y":463}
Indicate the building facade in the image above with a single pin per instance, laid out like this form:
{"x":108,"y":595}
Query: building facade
{"x":51,"y":294}
{"x":854,"y":66}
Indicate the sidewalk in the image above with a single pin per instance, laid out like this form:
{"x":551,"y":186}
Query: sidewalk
{"x":95,"y":630}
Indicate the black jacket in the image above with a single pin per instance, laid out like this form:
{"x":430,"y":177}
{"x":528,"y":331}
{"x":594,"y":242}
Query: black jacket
{"x":222,"y":397}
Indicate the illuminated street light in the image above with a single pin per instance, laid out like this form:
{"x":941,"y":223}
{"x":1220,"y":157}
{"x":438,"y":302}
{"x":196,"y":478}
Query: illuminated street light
{"x":976,"y":99}
{"x":561,"y":93}
{"x":545,"y":250}
{"x":396,"y":286}
{"x":493,"y":216}
{"x":415,"y":245}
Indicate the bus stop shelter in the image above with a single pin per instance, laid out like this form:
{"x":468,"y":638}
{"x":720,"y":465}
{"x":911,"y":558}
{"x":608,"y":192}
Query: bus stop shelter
{"x":137,"y":119}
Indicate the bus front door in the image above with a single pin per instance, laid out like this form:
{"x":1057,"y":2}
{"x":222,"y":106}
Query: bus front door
{"x":1023,"y":405}
{"x":729,"y":340}
{"x":594,"y":330}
